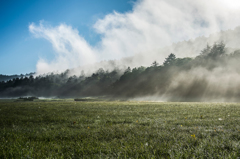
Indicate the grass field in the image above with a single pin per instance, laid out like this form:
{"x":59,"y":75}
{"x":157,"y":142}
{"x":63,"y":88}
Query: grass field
{"x":68,"y":129}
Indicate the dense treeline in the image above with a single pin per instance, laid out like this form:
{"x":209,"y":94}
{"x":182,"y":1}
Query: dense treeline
{"x":8,"y":77}
{"x":178,"y":79}
{"x":59,"y":85}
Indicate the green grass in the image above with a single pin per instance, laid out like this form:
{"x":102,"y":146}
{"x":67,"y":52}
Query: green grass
{"x":68,"y":129}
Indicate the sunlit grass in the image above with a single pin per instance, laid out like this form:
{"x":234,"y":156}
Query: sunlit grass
{"x":68,"y":129}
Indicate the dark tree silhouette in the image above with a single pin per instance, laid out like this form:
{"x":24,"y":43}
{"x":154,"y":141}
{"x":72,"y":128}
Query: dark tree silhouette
{"x":171,"y":58}
{"x":155,"y":64}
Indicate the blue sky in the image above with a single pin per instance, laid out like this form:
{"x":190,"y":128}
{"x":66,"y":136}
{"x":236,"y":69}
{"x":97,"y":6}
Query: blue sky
{"x":20,"y":51}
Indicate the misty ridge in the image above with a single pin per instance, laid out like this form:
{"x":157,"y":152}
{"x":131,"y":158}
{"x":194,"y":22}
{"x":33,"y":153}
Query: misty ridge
{"x":213,"y":75}
{"x":190,"y":48}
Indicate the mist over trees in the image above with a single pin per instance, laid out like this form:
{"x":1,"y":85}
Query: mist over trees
{"x":213,"y":75}
{"x":8,"y":77}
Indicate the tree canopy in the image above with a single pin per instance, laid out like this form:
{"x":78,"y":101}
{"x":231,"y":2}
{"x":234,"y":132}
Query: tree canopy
{"x":139,"y":81}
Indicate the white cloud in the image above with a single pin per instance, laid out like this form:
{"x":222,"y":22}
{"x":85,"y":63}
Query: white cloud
{"x":150,"y":25}
{"x":71,"y":49}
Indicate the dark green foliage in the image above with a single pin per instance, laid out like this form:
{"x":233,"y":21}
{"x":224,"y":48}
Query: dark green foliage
{"x":7,"y":77}
{"x":59,"y":85}
{"x":206,"y":51}
{"x":216,"y":51}
{"x":169,"y":60}
{"x":155,"y":64}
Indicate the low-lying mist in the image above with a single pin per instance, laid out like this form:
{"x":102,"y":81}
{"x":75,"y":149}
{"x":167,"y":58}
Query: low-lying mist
{"x":212,"y":76}
{"x":220,"y":84}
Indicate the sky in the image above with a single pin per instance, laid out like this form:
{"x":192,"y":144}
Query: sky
{"x":48,"y":36}
{"x":20,"y":50}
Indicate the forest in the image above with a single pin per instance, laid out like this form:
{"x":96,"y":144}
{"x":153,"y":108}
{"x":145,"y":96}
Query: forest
{"x":212,"y":75}
{"x":9,"y":77}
